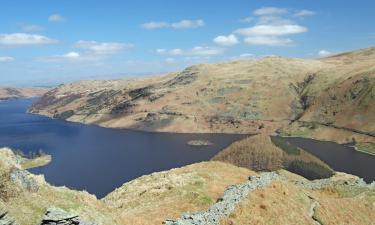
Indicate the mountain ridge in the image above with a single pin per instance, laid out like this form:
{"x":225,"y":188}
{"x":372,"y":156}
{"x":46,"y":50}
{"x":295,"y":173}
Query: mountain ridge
{"x":246,"y":96}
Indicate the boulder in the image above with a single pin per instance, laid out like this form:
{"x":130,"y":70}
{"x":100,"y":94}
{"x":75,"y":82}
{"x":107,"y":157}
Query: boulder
{"x":56,"y":216}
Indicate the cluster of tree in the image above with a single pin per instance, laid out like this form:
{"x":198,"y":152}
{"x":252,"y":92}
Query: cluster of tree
{"x":265,"y":153}
{"x":310,"y":170}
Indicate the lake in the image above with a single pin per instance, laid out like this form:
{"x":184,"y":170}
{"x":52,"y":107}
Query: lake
{"x":96,"y":159}
{"x":342,"y":158}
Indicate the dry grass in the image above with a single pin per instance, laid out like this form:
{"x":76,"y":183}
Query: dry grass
{"x":187,"y":189}
{"x":283,"y":203}
{"x":355,"y":209}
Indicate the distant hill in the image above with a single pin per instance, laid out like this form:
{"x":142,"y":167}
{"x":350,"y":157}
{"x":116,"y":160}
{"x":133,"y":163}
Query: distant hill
{"x":25,"y":92}
{"x":248,"y":96}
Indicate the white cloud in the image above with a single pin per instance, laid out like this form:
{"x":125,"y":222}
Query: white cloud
{"x":56,"y":18}
{"x":15,"y":39}
{"x":186,"y":24}
{"x":324,"y":53}
{"x":32,"y":28}
{"x":161,"y":50}
{"x":247,"y":55}
{"x":226,"y":40}
{"x":273,"y":30}
{"x":196,"y":51}
{"x":183,"y":24}
{"x":71,"y":55}
{"x":273,"y":25}
{"x":206,"y":51}
{"x":155,"y":25}
{"x":303,"y":13}
{"x":102,"y":48}
{"x":274,"y":20}
{"x":176,"y":51}
{"x":91,"y":51}
{"x":270,"y":11}
{"x":247,"y":19}
{"x":268,"y":40}
{"x":170,"y":60}
{"x":6,"y":58}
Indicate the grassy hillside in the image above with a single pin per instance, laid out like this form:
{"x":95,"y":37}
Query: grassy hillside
{"x":236,"y":96}
{"x":248,"y":96}
{"x":344,"y":96}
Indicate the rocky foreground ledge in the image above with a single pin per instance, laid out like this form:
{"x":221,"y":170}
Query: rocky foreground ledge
{"x":217,"y":192}
{"x":56,"y":216}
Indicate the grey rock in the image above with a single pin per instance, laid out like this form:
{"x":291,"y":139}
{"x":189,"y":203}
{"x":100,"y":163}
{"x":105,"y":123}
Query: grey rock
{"x":25,"y":179}
{"x":56,"y":216}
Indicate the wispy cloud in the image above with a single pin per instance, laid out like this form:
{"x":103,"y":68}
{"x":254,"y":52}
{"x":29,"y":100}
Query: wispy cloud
{"x":155,"y":25}
{"x":188,"y":24}
{"x":71,"y":56}
{"x":272,"y":30}
{"x":196,"y":51}
{"x":89,"y":51}
{"x":56,"y":18}
{"x":183,"y":24}
{"x":270,"y":11}
{"x":324,"y":53}
{"x":247,"y":55}
{"x":247,"y":19}
{"x":303,"y":13}
{"x":226,"y":40}
{"x":6,"y":58}
{"x":32,"y":28}
{"x":103,"y":48}
{"x":19,"y":39}
{"x":273,"y":26}
{"x":268,"y":40}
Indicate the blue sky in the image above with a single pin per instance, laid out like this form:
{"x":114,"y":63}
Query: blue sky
{"x":47,"y":42}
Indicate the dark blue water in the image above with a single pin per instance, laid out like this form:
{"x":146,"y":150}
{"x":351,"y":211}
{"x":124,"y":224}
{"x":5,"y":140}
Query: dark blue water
{"x":341,"y":158}
{"x":98,"y":159}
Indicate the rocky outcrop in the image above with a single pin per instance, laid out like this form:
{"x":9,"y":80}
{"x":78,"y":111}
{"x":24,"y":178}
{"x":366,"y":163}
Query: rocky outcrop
{"x":227,"y":203}
{"x":56,"y":216}
{"x":25,"y":179}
